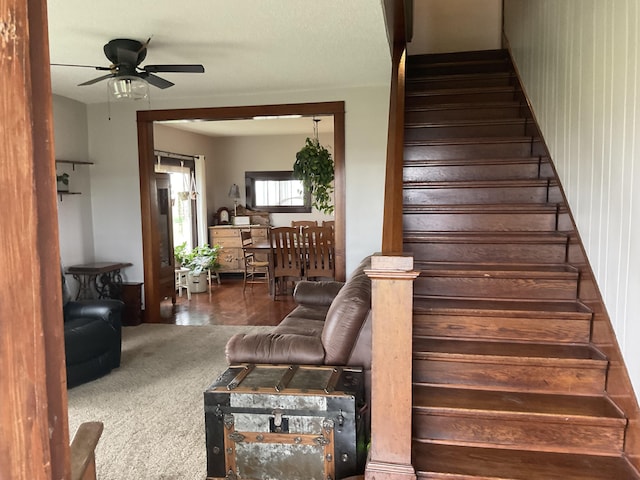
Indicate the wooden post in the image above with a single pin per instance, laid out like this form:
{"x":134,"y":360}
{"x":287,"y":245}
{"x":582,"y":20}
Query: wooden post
{"x":392,"y":310}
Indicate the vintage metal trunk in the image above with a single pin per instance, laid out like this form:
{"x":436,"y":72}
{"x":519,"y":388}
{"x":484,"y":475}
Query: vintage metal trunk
{"x":286,"y":422}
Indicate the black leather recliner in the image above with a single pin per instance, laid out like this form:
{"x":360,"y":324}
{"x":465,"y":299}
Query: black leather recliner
{"x":92,"y":337}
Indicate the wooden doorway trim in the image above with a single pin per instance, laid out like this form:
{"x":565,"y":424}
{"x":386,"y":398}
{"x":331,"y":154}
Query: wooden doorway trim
{"x":33,"y":416}
{"x":150,"y":241}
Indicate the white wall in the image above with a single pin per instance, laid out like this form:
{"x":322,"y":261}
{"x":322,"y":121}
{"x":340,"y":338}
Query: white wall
{"x":579,"y":62}
{"x":455,"y":26}
{"x":115,"y":177}
{"x":74,"y":211}
{"x":237,"y":155}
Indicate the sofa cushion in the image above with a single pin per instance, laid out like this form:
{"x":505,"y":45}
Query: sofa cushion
{"x":275,"y":348}
{"x":301,"y":326}
{"x":345,"y":318}
{"x":305,"y":312}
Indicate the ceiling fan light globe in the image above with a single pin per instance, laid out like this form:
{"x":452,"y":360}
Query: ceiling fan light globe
{"x":127,"y":88}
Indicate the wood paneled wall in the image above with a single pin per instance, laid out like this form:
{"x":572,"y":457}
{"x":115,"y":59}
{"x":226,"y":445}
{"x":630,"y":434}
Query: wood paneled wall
{"x":579,"y":63}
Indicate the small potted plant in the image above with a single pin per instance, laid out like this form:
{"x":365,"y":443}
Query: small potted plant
{"x":198,"y":260}
{"x":62,"y":182}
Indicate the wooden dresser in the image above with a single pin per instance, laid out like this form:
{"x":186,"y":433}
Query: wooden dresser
{"x":228,"y":236}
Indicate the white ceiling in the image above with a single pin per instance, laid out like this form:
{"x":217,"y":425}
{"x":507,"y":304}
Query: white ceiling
{"x":246,"y":46}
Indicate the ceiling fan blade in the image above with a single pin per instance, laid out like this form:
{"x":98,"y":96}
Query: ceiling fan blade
{"x":193,"y":68}
{"x":156,"y":81}
{"x":83,"y":66}
{"x":96,"y":80}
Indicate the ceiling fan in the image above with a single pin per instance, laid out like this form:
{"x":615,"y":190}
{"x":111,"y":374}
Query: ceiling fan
{"x":125,"y":56}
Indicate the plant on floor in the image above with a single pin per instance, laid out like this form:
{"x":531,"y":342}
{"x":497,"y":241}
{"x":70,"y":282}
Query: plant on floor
{"x":198,"y":259}
{"x":314,"y":166}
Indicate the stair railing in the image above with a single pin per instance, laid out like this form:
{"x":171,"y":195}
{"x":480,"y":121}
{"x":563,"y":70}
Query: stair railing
{"x":392,"y":278}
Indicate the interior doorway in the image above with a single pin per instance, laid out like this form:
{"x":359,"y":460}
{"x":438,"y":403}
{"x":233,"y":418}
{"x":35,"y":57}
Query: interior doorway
{"x":147,"y":182}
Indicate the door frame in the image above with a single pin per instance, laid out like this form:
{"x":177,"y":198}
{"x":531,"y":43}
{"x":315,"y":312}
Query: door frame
{"x":148,"y":202}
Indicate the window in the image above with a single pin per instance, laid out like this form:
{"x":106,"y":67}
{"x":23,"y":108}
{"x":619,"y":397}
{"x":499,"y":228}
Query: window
{"x":276,"y":192}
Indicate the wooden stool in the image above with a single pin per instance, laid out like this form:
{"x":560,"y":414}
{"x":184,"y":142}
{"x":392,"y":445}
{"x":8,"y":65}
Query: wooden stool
{"x":182,"y":281}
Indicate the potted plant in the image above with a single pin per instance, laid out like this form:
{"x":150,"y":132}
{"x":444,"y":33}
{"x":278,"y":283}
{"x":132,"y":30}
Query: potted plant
{"x":314,"y":166}
{"x":197,"y":260}
{"x":62,"y":182}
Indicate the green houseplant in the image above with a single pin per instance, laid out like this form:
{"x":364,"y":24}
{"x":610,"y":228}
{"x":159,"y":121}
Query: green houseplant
{"x":197,"y":260}
{"x":314,"y":166}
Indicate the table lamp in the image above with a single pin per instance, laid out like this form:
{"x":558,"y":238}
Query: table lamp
{"x":234,"y":192}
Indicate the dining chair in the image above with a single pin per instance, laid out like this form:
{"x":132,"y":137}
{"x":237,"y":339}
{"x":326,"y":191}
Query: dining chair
{"x":329,"y":223}
{"x":300,"y":224}
{"x":286,"y":257}
{"x":255,"y":271}
{"x":319,"y":253}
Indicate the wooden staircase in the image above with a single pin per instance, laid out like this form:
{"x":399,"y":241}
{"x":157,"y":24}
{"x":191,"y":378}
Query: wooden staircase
{"x":506,"y":384}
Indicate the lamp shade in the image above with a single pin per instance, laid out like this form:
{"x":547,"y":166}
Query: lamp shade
{"x":127,"y":87}
{"x":234,"y":192}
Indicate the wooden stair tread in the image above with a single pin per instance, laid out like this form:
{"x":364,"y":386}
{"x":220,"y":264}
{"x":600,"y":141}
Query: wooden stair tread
{"x":595,"y":409}
{"x":486,"y":237}
{"x":448,"y":462}
{"x":516,"y":351}
{"x":463,"y":90}
{"x":470,"y":161}
{"x":468,"y":123}
{"x":458,"y":76}
{"x":534,"y":309}
{"x":470,"y":141}
{"x":459,"y":105}
{"x":518,"y":183}
{"x":496,"y":53}
{"x":484,"y":207}
{"x":494,"y":269}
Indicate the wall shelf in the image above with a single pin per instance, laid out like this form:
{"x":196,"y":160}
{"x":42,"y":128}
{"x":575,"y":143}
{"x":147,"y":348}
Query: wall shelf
{"x":73,"y":163}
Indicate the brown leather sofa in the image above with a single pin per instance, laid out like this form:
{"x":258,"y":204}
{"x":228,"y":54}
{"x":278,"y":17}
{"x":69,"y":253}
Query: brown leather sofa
{"x":330,"y":326}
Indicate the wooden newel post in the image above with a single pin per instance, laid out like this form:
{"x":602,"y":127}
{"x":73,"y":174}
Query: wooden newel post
{"x":392,"y":309}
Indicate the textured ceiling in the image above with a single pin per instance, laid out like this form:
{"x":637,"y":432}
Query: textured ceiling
{"x":246,"y":46}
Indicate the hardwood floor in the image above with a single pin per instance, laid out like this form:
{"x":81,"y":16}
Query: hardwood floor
{"x":226,"y":304}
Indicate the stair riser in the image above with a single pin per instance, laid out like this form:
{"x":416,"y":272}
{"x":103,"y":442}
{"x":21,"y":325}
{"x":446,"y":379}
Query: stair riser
{"x":551,"y":435}
{"x":456,"y":69}
{"x":470,"y":56}
{"x":500,"y":288}
{"x":485,"y":149}
{"x":452,"y":173}
{"x":534,"y":253}
{"x":534,"y":377}
{"x":445,"y":221}
{"x":458,"y":196}
{"x":471,"y":81}
{"x":502,"y":129}
{"x":431,"y":99}
{"x":462,"y":112}
{"x":502,"y":328}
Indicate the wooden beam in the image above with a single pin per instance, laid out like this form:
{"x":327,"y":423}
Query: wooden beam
{"x":33,"y":418}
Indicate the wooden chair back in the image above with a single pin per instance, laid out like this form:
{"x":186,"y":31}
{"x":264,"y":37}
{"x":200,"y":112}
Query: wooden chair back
{"x":319,"y":253}
{"x":286,"y":255}
{"x":329,"y":223}
{"x":300,"y":224}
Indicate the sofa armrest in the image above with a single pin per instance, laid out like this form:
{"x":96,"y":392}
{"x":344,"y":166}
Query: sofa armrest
{"x":109,"y":311}
{"x":275,"y":348}
{"x":316,"y":293}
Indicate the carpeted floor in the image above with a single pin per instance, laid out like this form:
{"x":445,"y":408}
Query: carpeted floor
{"x":152,"y":406}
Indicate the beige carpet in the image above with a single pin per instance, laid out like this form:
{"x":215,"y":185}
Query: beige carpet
{"x":152,"y":406}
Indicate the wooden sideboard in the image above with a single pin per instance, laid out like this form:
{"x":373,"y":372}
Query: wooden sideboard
{"x":228,"y":236}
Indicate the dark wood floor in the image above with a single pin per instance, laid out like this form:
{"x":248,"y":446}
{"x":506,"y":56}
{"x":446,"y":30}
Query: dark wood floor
{"x":226,"y":304}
